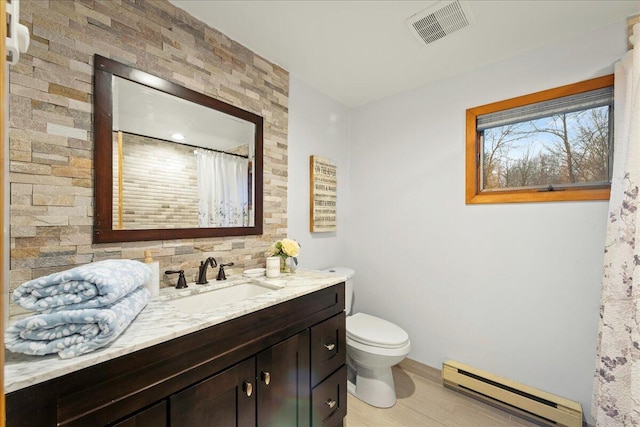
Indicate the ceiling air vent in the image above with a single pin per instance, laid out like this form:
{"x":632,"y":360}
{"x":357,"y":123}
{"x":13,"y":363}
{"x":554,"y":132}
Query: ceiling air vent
{"x":440,"y":20}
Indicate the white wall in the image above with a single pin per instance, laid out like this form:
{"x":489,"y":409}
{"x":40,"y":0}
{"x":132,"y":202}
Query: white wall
{"x":512,"y":289}
{"x":318,"y":125}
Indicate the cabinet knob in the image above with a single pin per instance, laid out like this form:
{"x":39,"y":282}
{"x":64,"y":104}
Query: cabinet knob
{"x":330,"y":403}
{"x":266,"y":377}
{"x":330,"y":346}
{"x":247,"y":388}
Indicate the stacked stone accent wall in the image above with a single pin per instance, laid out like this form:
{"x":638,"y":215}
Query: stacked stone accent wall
{"x":51,"y":127}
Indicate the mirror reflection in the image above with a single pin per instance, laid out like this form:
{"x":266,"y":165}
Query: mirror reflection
{"x":179,"y":166}
{"x":171,"y":162}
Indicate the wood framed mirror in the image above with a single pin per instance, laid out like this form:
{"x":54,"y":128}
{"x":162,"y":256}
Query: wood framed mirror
{"x":171,"y":163}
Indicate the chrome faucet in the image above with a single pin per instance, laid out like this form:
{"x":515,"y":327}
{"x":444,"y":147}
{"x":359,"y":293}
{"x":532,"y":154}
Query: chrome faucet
{"x":202,"y":271}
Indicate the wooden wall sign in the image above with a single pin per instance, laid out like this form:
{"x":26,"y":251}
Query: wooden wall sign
{"x":323,"y":194}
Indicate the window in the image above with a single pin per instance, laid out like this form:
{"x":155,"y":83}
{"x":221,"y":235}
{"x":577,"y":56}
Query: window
{"x":554,"y":145}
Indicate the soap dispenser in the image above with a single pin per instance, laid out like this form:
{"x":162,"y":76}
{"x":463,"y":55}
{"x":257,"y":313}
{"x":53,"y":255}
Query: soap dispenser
{"x":153,"y":285}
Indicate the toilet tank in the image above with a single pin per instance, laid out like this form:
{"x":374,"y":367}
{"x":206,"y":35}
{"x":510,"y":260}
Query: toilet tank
{"x":348,"y":288}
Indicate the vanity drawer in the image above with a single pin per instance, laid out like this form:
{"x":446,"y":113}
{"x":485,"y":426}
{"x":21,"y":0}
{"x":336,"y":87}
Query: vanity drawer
{"x":329,"y":400}
{"x":328,"y":347}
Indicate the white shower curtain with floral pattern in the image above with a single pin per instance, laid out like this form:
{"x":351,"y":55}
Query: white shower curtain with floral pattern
{"x":616,"y":398}
{"x":223,"y":189}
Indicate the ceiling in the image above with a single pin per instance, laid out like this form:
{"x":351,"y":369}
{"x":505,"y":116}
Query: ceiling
{"x":359,"y":51}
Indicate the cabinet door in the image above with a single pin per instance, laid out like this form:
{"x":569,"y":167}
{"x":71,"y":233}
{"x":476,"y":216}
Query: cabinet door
{"x":283,"y":383}
{"x":155,"y":416}
{"x":226,"y":399}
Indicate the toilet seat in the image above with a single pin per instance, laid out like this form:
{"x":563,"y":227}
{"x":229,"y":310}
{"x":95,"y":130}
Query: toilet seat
{"x":373,"y":331}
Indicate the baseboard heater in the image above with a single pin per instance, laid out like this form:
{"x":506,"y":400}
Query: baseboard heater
{"x":522,"y":400}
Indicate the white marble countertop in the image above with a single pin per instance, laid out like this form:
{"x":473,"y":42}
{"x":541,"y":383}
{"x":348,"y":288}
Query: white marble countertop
{"x":159,"y":321}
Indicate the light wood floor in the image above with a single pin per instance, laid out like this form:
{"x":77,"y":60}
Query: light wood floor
{"x":424,"y":402}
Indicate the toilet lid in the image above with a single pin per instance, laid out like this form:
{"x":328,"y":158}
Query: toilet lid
{"x":371,"y":330}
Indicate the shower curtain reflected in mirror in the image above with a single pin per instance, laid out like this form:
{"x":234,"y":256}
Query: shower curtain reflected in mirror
{"x":223,"y":189}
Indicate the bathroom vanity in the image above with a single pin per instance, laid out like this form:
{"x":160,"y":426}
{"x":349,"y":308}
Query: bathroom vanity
{"x":276,"y":360}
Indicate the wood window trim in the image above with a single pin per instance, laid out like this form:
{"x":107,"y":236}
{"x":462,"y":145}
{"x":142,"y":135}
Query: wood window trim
{"x":473,"y":194}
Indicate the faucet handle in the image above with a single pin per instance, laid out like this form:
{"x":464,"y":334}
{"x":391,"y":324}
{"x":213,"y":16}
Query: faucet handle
{"x":221,"y":274}
{"x":182,"y":282}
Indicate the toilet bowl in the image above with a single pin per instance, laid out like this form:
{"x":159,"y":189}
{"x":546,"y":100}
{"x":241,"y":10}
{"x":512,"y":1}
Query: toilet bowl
{"x":374,"y":345}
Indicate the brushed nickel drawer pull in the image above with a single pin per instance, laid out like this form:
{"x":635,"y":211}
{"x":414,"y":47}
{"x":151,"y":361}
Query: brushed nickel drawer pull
{"x":247,"y":388}
{"x":330,"y":403}
{"x":330,"y":346}
{"x":266,"y":377}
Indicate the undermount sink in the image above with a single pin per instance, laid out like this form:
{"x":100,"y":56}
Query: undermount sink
{"x":211,"y":299}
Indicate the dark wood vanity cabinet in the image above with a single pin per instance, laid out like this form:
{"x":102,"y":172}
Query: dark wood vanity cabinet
{"x":226,"y":399}
{"x":269,"y":389}
{"x":282,"y":382}
{"x":280,"y":366}
{"x":155,"y":416}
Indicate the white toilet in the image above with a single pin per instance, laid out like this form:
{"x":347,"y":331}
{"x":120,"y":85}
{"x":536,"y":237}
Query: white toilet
{"x":374,"y":345}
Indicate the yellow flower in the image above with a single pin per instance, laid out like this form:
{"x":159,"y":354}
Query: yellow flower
{"x":290,"y":247}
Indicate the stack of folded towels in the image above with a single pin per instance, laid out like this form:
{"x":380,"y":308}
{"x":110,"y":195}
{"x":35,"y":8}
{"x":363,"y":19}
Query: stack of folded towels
{"x":78,"y":310}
